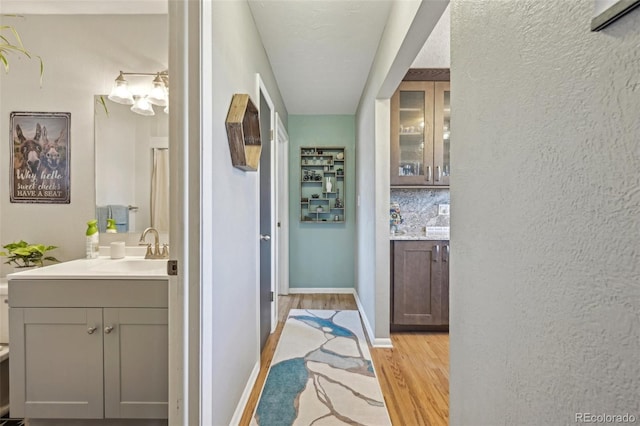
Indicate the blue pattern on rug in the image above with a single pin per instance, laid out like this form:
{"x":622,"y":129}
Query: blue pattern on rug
{"x":320,"y":375}
{"x":277,"y":403}
{"x":323,"y":324}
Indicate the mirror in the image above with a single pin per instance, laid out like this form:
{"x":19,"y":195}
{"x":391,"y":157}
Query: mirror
{"x":132,"y":167}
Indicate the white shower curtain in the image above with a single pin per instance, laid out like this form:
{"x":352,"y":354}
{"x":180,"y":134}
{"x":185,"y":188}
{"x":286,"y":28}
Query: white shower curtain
{"x":160,"y":190}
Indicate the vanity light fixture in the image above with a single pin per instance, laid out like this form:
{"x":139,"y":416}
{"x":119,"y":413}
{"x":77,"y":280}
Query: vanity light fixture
{"x":142,"y":106}
{"x":120,"y":92}
{"x":158,"y":95}
{"x":142,"y":102}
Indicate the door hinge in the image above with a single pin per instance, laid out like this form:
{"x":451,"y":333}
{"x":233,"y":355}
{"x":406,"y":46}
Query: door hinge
{"x":278,"y":224}
{"x":172,"y":267}
{"x":271,"y":133}
{"x":271,"y":296}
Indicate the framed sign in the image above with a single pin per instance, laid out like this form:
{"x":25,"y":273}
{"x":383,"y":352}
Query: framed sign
{"x":40,"y":157}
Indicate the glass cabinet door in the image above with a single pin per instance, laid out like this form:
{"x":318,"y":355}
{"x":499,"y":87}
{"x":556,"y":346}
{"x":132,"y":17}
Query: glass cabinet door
{"x":442,"y":133}
{"x":412,"y":134}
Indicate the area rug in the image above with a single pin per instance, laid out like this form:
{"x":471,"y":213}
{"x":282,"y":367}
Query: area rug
{"x":321,"y":374}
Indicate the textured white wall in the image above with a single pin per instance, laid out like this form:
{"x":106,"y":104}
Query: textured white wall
{"x":545,"y":294}
{"x":436,"y":52}
{"x":82,"y":55}
{"x":367,"y":254}
{"x":237,"y":55}
{"x":408,"y":26}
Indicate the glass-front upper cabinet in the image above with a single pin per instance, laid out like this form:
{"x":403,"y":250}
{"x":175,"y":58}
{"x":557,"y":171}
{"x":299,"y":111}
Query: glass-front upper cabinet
{"x":420,"y":116}
{"x":442,"y":133}
{"x":412,"y":134}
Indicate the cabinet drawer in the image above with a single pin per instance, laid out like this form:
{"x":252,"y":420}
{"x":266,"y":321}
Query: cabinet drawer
{"x":88,"y":293}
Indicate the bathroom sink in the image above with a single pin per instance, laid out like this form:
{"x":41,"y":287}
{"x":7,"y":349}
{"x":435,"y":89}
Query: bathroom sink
{"x":130,"y":267}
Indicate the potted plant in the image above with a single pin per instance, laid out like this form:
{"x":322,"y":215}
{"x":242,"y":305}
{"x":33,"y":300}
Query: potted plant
{"x":24,"y":255}
{"x":11,"y":43}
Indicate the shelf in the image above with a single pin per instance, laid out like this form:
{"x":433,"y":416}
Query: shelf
{"x":322,"y":166}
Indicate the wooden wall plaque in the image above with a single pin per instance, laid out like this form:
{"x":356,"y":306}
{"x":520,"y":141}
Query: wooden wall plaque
{"x":243,"y":133}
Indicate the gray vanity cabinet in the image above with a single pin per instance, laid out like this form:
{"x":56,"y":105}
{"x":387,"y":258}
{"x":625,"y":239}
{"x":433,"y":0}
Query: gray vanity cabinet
{"x":420,"y":283}
{"x":89,"y":349}
{"x":136,"y":363}
{"x":56,"y":363}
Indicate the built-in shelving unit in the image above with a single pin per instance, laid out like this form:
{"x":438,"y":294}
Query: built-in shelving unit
{"x":321,"y":201}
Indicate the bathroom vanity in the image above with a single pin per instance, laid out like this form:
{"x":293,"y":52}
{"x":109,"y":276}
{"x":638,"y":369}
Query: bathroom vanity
{"x":89,"y":340}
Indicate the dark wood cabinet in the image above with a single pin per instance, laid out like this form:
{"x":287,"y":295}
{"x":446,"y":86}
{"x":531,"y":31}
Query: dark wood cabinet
{"x":420,"y":134}
{"x":420,"y":283}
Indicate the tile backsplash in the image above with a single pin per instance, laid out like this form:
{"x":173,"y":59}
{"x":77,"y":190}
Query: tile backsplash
{"x":419,"y":208}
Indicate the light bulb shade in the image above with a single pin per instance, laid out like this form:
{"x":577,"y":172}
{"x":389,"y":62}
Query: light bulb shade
{"x":142,"y":106}
{"x":120,"y":92}
{"x":158,"y":95}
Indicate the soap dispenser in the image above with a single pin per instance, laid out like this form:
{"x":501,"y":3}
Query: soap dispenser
{"x":111,"y":226}
{"x":93,"y":239}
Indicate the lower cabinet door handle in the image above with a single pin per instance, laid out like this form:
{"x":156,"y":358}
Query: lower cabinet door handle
{"x":91,"y":330}
{"x":436,"y":253}
{"x":445,"y":256}
{"x":108,"y":329}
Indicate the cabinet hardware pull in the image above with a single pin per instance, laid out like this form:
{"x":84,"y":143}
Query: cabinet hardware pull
{"x":428,"y":173}
{"x":445,"y":256}
{"x":438,"y":173}
{"x":91,"y":330}
{"x":108,"y":329}
{"x":436,"y":253}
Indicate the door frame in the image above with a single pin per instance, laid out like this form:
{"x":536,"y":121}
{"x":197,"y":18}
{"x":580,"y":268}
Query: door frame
{"x":186,"y":384}
{"x":282,"y":207}
{"x":261,"y":89}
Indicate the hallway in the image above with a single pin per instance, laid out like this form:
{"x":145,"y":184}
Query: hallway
{"x":414,"y":375}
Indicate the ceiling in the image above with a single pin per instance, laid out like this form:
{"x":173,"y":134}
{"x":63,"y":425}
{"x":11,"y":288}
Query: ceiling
{"x":321,"y":51}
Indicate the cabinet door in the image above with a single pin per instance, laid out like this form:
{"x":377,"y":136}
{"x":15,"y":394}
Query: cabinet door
{"x":442,"y":133}
{"x":445,"y":283}
{"x":136,"y":363}
{"x":417,"y":283}
{"x":412,"y":134}
{"x":56,"y":363}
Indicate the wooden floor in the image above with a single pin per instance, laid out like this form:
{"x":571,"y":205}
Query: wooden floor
{"x":414,"y":375}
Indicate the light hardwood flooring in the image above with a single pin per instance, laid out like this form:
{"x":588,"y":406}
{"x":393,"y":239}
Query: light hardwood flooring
{"x":414,"y":375}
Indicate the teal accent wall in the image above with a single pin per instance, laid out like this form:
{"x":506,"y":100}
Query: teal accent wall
{"x":321,"y":255}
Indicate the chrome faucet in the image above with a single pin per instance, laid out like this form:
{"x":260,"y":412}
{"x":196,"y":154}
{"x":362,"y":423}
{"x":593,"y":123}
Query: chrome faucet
{"x":155,"y":253}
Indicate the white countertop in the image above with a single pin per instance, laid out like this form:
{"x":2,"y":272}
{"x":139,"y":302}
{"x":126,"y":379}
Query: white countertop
{"x":417,"y":237}
{"x":130,"y":267}
{"x":430,"y":233}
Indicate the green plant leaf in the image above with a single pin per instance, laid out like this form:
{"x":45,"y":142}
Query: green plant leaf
{"x":4,"y":62}
{"x":23,"y":254}
{"x":15,"y":46}
{"x":104,"y":104}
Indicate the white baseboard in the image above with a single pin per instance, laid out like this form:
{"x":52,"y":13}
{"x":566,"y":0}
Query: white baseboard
{"x":322,"y":290}
{"x":242,"y":404}
{"x":373,"y":340}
